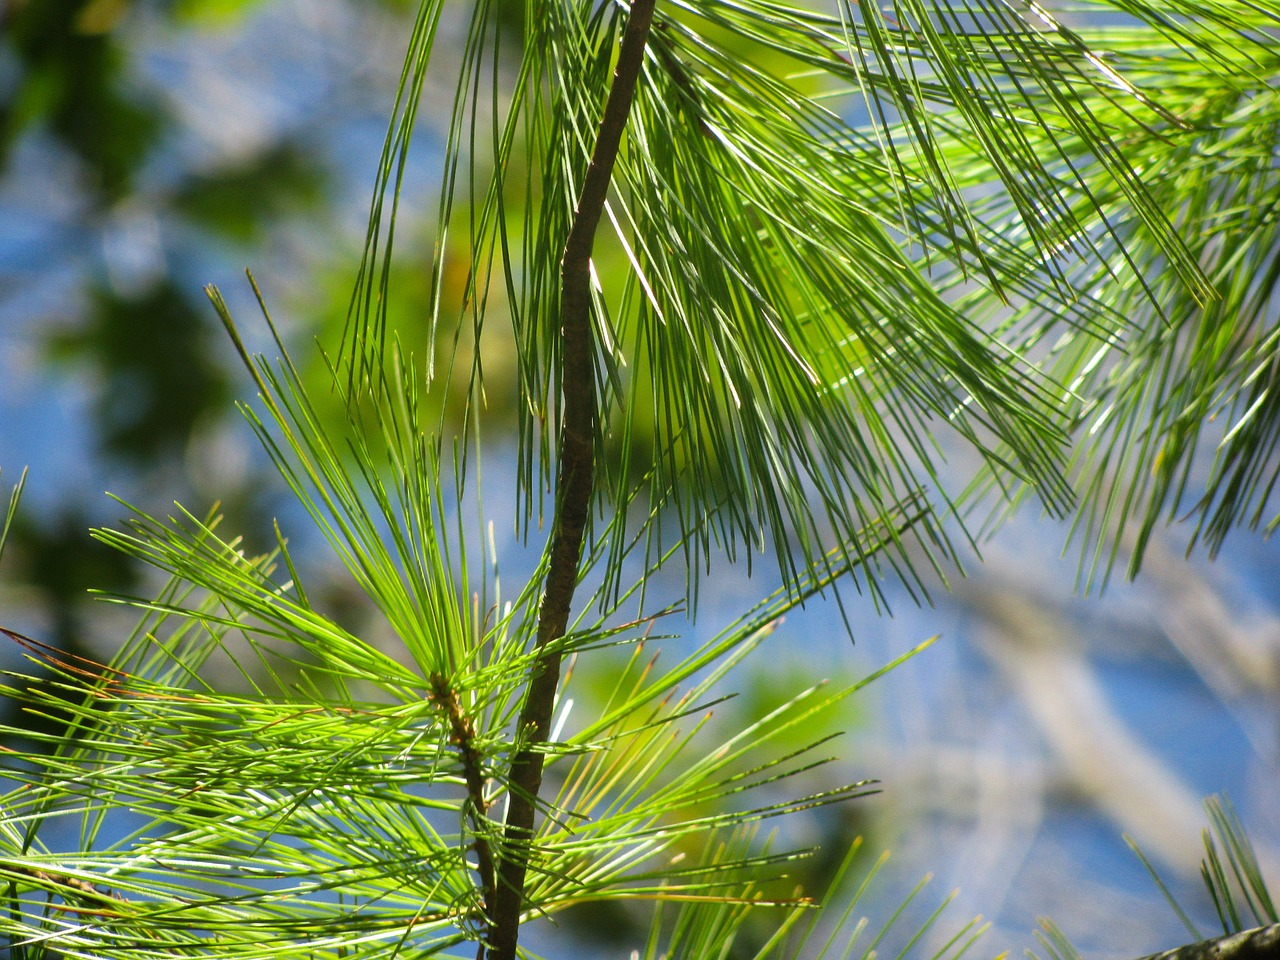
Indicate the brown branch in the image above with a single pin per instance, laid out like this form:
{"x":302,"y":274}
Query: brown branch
{"x":574,"y":485}
{"x":1262,"y":943}
{"x":69,"y":888}
{"x":462,"y":734}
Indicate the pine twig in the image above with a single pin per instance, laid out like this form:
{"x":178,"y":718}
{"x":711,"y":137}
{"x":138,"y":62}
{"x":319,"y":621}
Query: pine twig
{"x":462,"y":734}
{"x":90,"y":898}
{"x":574,"y":485}
{"x":1261,"y":943}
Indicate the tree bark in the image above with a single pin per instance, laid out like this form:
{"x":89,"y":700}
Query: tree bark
{"x":574,"y":487}
{"x":1261,"y":943}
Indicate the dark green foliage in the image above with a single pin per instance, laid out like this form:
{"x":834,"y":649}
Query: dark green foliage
{"x":240,"y":203}
{"x":157,"y":362}
{"x":74,"y":85}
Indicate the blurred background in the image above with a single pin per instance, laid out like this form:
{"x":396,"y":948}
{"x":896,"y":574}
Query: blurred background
{"x":148,"y":148}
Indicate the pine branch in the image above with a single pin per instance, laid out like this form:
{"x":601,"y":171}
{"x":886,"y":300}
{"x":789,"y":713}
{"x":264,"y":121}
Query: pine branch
{"x":574,"y":485}
{"x":462,"y":733}
{"x":81,"y":895}
{"x":1262,"y":943}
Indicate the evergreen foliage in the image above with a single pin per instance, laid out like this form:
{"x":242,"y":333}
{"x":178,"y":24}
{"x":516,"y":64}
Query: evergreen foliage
{"x":763,"y":267}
